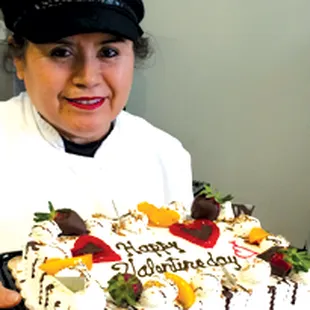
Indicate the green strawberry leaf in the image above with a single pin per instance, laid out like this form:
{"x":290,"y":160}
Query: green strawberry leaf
{"x":210,"y":193}
{"x":40,"y":216}
{"x":300,"y":261}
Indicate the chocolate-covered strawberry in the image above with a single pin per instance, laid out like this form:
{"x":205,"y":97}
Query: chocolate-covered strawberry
{"x":125,"y":289}
{"x":207,"y":205}
{"x":284,"y":260}
{"x":70,"y":223}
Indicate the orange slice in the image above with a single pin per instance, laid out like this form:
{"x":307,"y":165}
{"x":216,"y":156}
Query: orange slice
{"x":162,"y":217}
{"x":186,"y":294}
{"x":146,"y":207}
{"x":54,"y":265}
{"x":257,"y":234}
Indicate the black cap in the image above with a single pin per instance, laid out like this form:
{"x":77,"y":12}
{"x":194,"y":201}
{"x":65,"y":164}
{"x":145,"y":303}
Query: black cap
{"x":51,"y":20}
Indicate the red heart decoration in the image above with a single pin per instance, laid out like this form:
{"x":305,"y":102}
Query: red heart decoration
{"x":201,"y":232}
{"x":92,"y":245}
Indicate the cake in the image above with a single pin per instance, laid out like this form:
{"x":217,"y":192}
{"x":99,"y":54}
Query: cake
{"x":161,"y":257}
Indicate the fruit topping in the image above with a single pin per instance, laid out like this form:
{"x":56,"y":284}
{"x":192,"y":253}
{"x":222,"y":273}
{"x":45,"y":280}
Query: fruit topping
{"x":70,"y":223}
{"x":93,"y":245}
{"x":207,"y":204}
{"x":257,"y":234}
{"x":186,"y":295}
{"x":160,"y":217}
{"x":284,"y":260}
{"x":125,"y":289}
{"x":54,"y":265}
{"x":201,"y":232}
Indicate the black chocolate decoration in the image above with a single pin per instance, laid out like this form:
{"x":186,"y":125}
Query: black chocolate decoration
{"x":239,"y":209}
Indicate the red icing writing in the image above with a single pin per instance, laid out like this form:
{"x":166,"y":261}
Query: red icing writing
{"x":241,"y":251}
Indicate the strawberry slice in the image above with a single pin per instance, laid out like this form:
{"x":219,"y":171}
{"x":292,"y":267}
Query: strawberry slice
{"x":92,"y":245}
{"x":279,"y":266}
{"x":201,"y":232}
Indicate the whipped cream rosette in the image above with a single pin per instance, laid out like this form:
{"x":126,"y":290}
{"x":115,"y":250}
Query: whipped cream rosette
{"x":208,"y":288}
{"x":272,"y":241}
{"x":158,"y":293}
{"x":207,"y":283}
{"x":179,"y":208}
{"x":226,"y":212}
{"x":91,"y":296}
{"x":134,"y":222}
{"x":301,"y":277}
{"x":254,"y":273}
{"x":99,"y":225}
{"x":243,"y":225}
{"x":45,"y":231}
{"x":83,"y":288}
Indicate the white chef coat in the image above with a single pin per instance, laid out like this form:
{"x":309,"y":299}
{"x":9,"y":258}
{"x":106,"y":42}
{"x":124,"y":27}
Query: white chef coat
{"x":137,"y":162}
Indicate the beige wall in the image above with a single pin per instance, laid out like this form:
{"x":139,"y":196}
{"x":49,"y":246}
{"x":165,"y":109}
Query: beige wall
{"x":231,"y":80}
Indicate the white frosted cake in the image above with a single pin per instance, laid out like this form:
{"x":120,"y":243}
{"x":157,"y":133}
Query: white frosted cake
{"x":158,"y":258}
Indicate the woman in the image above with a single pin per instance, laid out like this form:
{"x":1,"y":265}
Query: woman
{"x":67,"y":138}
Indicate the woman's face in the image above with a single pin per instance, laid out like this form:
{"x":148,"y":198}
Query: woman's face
{"x":79,"y":84}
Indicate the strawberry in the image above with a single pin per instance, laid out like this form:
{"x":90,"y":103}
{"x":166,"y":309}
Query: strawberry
{"x":279,"y":266}
{"x":207,"y":205}
{"x":70,"y":223}
{"x":125,"y":289}
{"x":92,"y":245}
{"x":285,"y":260}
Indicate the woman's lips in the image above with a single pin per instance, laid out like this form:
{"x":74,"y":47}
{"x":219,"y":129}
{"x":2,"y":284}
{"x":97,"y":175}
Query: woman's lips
{"x":86,"y":103}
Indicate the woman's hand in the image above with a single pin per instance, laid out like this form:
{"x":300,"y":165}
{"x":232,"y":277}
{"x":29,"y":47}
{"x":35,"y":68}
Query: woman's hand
{"x":8,"y":298}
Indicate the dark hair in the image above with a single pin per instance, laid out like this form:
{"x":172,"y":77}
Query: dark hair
{"x":17,"y":47}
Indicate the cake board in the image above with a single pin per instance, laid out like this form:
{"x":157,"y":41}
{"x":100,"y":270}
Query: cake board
{"x":6,"y":277}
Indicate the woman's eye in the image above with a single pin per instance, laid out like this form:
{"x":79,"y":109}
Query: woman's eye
{"x":60,"y":53}
{"x":108,"y":52}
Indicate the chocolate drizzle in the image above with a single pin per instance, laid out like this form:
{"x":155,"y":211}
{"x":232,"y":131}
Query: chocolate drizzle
{"x":272,"y":290}
{"x":41,"y":288}
{"x":294,"y":296}
{"x":228,"y":297}
{"x":33,"y":245}
{"x":48,"y":290}
{"x":42,"y":227}
{"x":34,"y":268}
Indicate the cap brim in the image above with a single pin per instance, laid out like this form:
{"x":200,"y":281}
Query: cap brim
{"x":57,"y":23}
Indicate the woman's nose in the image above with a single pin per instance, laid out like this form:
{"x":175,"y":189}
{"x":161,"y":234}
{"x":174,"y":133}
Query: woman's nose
{"x":87,"y":73}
